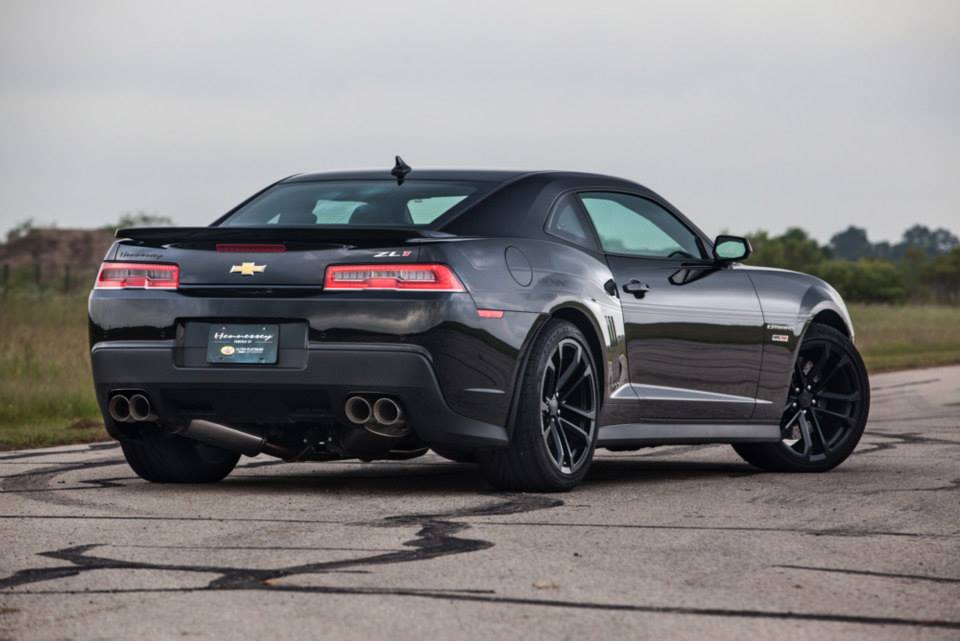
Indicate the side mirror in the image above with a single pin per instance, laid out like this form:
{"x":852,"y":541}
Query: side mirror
{"x":729,"y":249}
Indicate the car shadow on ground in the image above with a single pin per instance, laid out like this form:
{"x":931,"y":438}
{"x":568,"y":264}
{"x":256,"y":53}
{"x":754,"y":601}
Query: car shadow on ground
{"x":441,"y":477}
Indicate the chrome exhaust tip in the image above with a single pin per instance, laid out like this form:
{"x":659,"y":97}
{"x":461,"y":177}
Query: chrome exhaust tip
{"x":386,"y":412}
{"x":357,"y":410}
{"x":119,"y":408}
{"x":140,"y":410}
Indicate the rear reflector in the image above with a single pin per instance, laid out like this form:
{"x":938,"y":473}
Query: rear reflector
{"x":406,"y":277}
{"x":137,"y":276}
{"x":490,"y":313}
{"x":250,"y":248}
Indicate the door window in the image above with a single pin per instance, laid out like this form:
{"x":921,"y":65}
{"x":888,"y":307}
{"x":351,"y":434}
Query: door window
{"x":635,"y":226}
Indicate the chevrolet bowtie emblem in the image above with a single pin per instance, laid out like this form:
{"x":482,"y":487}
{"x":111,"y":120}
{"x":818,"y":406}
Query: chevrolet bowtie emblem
{"x":247,"y":269}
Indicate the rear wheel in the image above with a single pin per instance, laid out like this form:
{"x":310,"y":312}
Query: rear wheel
{"x":556,"y":429}
{"x":162,"y":458}
{"x":826,"y":410}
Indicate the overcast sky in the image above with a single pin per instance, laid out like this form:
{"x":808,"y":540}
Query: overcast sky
{"x":745,"y":115}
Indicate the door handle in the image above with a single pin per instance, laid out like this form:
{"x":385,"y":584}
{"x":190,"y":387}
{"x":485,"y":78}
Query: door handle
{"x":636,"y":288}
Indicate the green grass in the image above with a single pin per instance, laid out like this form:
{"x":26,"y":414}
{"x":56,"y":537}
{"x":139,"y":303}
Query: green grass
{"x":46,"y":393}
{"x":893,"y":337}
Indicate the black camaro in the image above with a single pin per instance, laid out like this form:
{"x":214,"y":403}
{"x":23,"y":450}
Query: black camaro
{"x":515,"y":319}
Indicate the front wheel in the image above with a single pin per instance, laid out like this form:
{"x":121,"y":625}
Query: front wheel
{"x":556,"y":428}
{"x":163,"y":458}
{"x":826,"y":410}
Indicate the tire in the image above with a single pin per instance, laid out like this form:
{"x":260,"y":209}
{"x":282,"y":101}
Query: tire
{"x":162,"y":458}
{"x":455,"y":455}
{"x":546,"y":454}
{"x":830,"y":419}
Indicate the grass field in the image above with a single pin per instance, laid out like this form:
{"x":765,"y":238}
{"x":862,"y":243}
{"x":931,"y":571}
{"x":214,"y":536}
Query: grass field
{"x":46,"y":396}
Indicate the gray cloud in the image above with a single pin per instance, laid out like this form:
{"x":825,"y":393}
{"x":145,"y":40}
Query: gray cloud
{"x":744,"y":114}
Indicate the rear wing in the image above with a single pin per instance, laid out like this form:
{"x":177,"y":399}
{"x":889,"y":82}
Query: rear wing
{"x":333,"y":234}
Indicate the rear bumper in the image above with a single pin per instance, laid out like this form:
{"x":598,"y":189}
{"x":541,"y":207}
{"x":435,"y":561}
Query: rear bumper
{"x":314,"y":391}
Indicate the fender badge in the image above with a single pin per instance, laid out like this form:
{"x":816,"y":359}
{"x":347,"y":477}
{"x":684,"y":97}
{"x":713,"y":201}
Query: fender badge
{"x":780,"y":338}
{"x":247,"y":269}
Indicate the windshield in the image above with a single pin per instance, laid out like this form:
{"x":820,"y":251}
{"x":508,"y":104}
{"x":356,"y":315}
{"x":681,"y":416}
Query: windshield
{"x":355,"y":203}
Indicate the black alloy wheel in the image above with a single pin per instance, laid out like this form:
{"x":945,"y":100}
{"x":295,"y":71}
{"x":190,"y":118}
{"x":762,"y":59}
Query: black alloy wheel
{"x":826,"y":408}
{"x":555,"y":432}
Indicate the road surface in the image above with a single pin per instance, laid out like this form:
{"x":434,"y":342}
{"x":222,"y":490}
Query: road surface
{"x":666,"y":543}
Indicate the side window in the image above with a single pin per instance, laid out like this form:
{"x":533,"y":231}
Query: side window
{"x":633,"y":225}
{"x":567,"y":222}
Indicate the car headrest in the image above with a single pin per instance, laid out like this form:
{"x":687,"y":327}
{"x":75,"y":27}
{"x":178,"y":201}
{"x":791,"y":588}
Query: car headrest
{"x":381,"y":214}
{"x":297,"y":218}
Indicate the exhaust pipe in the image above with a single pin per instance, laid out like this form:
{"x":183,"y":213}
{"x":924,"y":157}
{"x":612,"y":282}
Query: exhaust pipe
{"x":386,"y":412}
{"x":357,"y":410}
{"x":229,"y":438}
{"x":119,"y":408}
{"x":140,"y":411}
{"x":388,"y":419}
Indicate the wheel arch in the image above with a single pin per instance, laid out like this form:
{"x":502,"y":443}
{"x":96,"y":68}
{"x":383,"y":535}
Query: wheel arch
{"x":583,"y":320}
{"x":832,"y":319}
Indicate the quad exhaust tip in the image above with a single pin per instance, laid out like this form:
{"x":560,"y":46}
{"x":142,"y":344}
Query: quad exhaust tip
{"x":140,"y":410}
{"x":383,"y":418}
{"x":386,"y":412}
{"x":119,"y":408}
{"x":131,"y":409}
{"x":358,"y":410}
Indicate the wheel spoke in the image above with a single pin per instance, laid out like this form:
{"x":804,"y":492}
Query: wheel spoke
{"x":590,"y":414}
{"x":552,"y":441}
{"x":840,"y":366}
{"x":823,"y":440}
{"x":806,"y":437}
{"x":576,"y":429}
{"x":798,"y":372}
{"x":587,"y":375}
{"x":551,"y":367}
{"x":846,"y":418}
{"x":836,"y":396}
{"x":568,"y":373}
{"x":567,"y":452}
{"x":820,"y":365}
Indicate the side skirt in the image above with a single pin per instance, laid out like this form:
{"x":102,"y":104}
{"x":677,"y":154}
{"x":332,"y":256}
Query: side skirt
{"x":685,"y":433}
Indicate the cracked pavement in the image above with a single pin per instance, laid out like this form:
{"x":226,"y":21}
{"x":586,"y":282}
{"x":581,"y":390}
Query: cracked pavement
{"x":672,"y":542}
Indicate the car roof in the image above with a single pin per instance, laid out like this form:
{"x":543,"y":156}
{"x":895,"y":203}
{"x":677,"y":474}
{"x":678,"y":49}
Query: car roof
{"x":486,"y":175}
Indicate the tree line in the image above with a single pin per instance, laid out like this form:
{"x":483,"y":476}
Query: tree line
{"x":923,"y":267}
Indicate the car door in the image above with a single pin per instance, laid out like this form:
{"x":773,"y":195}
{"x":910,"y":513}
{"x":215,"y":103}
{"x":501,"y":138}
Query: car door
{"x":694,"y":329}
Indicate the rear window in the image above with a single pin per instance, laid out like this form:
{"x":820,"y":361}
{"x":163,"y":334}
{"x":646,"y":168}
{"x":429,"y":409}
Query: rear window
{"x":356,"y":203}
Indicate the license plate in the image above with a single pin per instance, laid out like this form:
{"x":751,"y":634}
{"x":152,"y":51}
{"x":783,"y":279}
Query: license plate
{"x":243,"y":344}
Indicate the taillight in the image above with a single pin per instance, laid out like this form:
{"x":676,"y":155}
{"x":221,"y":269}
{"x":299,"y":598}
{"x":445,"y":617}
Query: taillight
{"x":138,"y":276}
{"x":406,"y":277}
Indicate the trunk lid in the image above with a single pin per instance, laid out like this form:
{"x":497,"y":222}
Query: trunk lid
{"x":257,"y":257}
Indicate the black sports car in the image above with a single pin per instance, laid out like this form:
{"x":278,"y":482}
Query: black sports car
{"x":518,"y":320}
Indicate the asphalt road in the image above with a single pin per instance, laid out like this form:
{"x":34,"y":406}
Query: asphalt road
{"x":673,"y":542}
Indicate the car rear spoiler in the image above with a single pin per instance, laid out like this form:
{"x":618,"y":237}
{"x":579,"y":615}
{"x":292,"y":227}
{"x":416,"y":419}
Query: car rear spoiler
{"x":312,"y":234}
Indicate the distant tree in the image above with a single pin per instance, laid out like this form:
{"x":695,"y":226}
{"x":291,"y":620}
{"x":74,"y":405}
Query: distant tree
{"x":20,"y":230}
{"x":865,"y":280}
{"x":794,"y":249}
{"x":943,"y":275}
{"x":141,"y":218}
{"x":851,"y":244}
{"x":933,"y":242}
